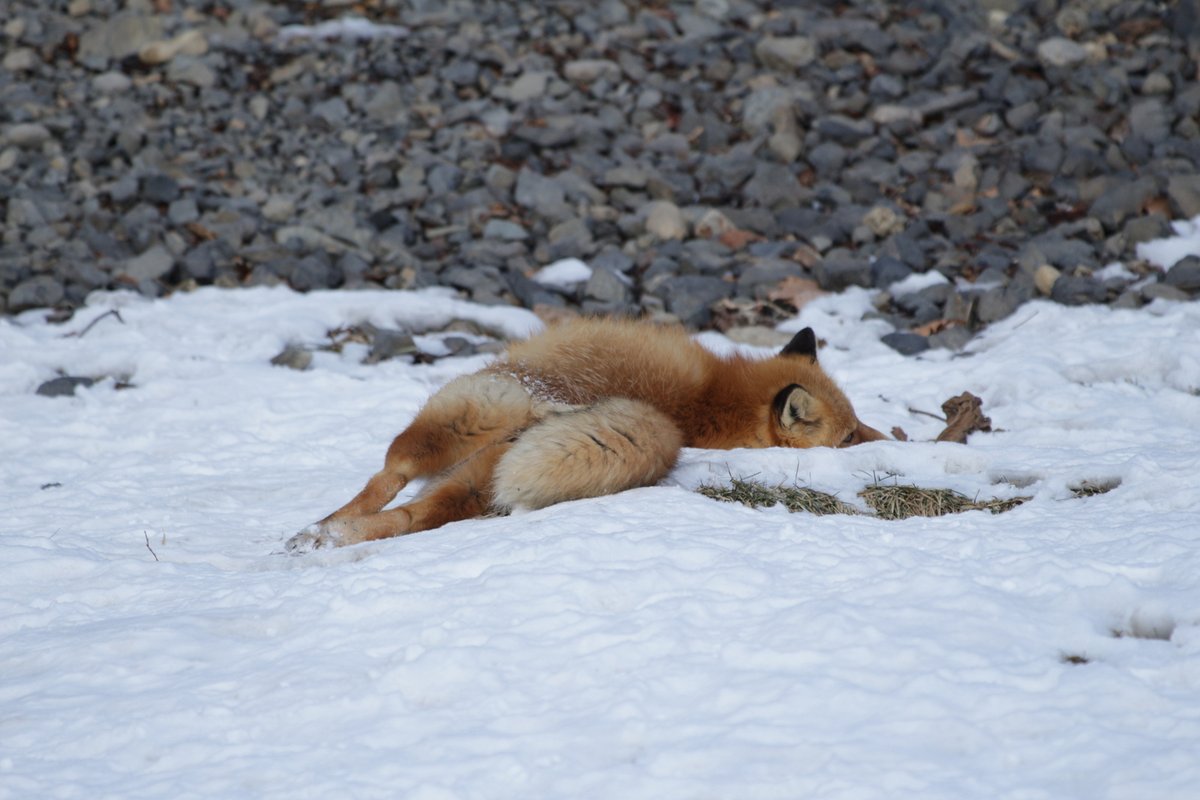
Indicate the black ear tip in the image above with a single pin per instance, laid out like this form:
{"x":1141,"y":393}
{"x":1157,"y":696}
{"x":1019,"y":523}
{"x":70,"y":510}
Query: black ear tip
{"x":803,"y":343}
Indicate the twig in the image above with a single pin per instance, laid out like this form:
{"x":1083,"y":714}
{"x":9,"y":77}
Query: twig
{"x":148,"y":547}
{"x":912,"y":410}
{"x":112,"y":312}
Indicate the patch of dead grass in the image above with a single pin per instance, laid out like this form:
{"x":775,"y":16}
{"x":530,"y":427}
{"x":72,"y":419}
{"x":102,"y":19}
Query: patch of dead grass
{"x":793,"y":498}
{"x":889,"y":501}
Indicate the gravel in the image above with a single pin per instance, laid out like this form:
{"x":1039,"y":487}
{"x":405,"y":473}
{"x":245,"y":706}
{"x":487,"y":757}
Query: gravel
{"x":696,"y":154}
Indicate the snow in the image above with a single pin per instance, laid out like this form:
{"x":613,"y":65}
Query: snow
{"x":564,"y":273}
{"x":1167,"y":252}
{"x":155,"y":642}
{"x":349,"y":27}
{"x":916,"y":282}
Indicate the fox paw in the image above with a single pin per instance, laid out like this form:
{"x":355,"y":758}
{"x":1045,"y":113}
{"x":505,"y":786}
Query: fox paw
{"x":315,"y":537}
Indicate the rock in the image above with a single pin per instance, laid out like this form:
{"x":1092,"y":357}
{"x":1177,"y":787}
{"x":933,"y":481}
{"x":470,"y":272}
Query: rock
{"x":886,"y":270}
{"x":713,"y":225}
{"x":689,"y":297}
{"x":294,"y":357}
{"x":786,"y":53}
{"x":1044,"y":278}
{"x":1184,"y":193}
{"x":607,"y":288}
{"x":504,"y":229}
{"x":841,"y":268}
{"x":388,"y":344}
{"x":192,"y":72}
{"x":150,"y":265}
{"x":1122,"y":200}
{"x":40,"y":291}
{"x":1184,"y":274}
{"x":64,"y":386}
{"x":531,"y":85}
{"x":1163,"y":291}
{"x":884,"y":221}
{"x":1150,"y":120}
{"x":1061,"y":52}
{"x":27,"y":135}
{"x":905,"y":343}
{"x":541,"y":195}
{"x":19,"y":59}
{"x":112,"y":83}
{"x":589,"y":70}
{"x":1077,"y":291}
{"x":570,"y":239}
{"x":159,"y":188}
{"x":664,"y":220}
{"x":188,"y":43}
{"x":119,"y":36}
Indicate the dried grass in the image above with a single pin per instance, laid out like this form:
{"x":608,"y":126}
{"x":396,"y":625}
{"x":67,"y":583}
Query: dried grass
{"x":889,"y":501}
{"x":793,"y":498}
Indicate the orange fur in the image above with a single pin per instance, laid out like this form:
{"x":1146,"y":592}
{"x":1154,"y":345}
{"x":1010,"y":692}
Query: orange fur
{"x":588,"y":408}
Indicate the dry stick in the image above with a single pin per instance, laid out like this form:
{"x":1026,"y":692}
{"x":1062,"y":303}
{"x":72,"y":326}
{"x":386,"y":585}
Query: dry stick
{"x":112,"y":312}
{"x":148,"y":547}
{"x":912,"y":410}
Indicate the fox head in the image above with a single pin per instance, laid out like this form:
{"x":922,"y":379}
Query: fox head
{"x":808,"y":409}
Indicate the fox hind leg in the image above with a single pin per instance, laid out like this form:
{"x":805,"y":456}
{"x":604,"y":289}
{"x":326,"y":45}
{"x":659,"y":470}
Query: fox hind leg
{"x":614,"y":445}
{"x":463,"y":492}
{"x":467,"y":415}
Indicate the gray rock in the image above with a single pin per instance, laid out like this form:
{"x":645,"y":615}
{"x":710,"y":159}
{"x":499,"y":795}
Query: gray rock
{"x":388,"y":344}
{"x":886,"y":270}
{"x":150,"y":265}
{"x":542,"y":195}
{"x":606,"y":287}
{"x":1184,"y":274}
{"x":27,"y":134}
{"x":1150,"y":120}
{"x":312,"y":272}
{"x":504,"y":229}
{"x":845,"y":130}
{"x":570,"y":238}
{"x":183,"y":211}
{"x":294,"y":356}
{"x":772,"y":187}
{"x":119,"y":36}
{"x":1059,"y":51}
{"x":191,"y":71}
{"x":159,"y":188}
{"x":689,"y":297}
{"x":786,"y":53}
{"x":1184,"y":193}
{"x":40,"y":291}
{"x":590,"y":70}
{"x":1164,"y":291}
{"x":841,"y":268}
{"x":64,"y":386}
{"x":905,"y":343}
{"x":1122,"y":200}
{"x":954,"y":337}
{"x":664,"y":220}
{"x":1076,"y":291}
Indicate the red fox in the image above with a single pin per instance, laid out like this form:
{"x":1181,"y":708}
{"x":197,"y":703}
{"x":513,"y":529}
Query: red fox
{"x":588,"y":408}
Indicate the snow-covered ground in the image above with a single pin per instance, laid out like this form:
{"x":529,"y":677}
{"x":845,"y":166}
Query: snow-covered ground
{"x":156,"y":643}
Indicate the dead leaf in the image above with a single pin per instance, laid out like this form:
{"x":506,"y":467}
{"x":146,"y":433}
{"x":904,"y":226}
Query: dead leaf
{"x":936,"y":326}
{"x":899,"y":435}
{"x":796,"y":292}
{"x":964,"y":415}
{"x":736,"y":238}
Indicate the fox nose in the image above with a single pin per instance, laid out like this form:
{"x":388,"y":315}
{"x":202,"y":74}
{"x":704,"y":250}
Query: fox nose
{"x":865,"y":433}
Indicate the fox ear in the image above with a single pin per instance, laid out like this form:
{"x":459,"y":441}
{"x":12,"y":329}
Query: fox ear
{"x":803,"y":343}
{"x":793,"y":406}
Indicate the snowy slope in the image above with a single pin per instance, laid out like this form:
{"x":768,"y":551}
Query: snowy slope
{"x":654,"y":644}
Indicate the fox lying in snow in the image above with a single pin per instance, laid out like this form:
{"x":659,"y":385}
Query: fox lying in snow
{"x":585,"y":409}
